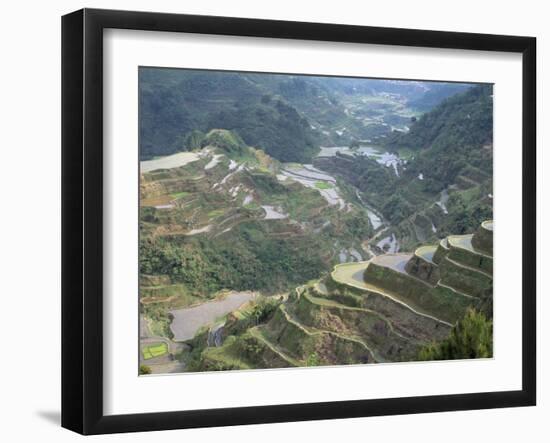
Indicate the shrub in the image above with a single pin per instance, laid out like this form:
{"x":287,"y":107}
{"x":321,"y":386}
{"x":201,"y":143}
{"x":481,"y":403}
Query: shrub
{"x":144,"y":370}
{"x":471,"y":337}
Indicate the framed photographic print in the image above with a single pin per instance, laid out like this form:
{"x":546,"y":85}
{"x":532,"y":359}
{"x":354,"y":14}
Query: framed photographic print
{"x":270,"y":221}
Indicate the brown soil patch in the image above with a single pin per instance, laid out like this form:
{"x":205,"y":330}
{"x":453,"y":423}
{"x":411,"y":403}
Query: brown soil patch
{"x":156,"y":201}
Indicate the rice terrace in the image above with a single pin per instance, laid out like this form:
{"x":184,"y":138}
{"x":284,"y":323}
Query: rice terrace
{"x":154,"y":350}
{"x":297,"y":220}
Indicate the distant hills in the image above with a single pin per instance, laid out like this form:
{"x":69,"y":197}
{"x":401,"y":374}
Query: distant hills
{"x":444,"y":184}
{"x":436,"y":94}
{"x":287,"y":116}
{"x":175,"y":102}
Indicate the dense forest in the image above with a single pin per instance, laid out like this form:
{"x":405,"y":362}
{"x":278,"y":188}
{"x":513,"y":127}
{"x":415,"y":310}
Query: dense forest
{"x":249,"y":260}
{"x":175,"y":103}
{"x":450,"y":137}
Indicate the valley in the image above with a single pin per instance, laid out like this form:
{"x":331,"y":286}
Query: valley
{"x":357,"y":250}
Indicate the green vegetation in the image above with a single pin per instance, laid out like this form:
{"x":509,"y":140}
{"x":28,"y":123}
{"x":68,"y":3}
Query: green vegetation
{"x":362,"y":314}
{"x":159,"y":319}
{"x":177,"y":105}
{"x":287,"y":116}
{"x":450,"y":147}
{"x":144,"y":370}
{"x":227,"y":141}
{"x":176,"y":294}
{"x":467,"y":209}
{"x":248,"y":259}
{"x":236,"y":218}
{"x":236,"y":248}
{"x":324,"y":185}
{"x":417,"y":294}
{"x":461,"y":119}
{"x":180,"y":194}
{"x":441,"y":287}
{"x":473,"y":281}
{"x":449,"y":139}
{"x":216,"y":213}
{"x":263,"y":309}
{"x":154,"y":350}
{"x":471,"y":337}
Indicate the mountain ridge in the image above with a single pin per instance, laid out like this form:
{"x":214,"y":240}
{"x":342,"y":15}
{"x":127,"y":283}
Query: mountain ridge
{"x":287,"y":116}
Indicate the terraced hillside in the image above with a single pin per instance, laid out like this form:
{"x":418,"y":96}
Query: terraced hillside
{"x":382,"y":310}
{"x":290,"y":220}
{"x":229,"y":217}
{"x":438,"y":176}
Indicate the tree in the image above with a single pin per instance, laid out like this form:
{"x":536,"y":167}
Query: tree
{"x":144,"y":370}
{"x":193,"y":140}
{"x":471,"y":337}
{"x":263,"y":309}
{"x":312,"y":359}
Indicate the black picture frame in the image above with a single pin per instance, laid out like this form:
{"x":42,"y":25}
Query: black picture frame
{"x":82,"y":218}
